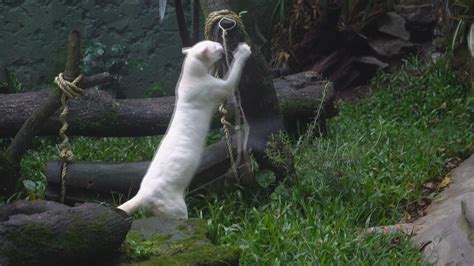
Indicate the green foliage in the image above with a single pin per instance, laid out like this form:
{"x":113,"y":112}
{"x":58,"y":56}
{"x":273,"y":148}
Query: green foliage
{"x":465,"y":26}
{"x":280,"y":11}
{"x":136,"y":247}
{"x":15,"y":84}
{"x":156,"y":90}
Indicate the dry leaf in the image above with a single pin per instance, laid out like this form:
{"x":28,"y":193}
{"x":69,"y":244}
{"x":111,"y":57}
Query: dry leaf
{"x":445,"y":182}
{"x":429,"y":185}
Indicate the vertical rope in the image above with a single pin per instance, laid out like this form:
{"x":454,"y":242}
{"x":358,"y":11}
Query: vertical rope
{"x":226,"y":125}
{"x":69,"y":90}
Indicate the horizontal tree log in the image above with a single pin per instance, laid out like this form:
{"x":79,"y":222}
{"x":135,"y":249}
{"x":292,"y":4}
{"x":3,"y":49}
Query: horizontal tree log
{"x":48,"y":233}
{"x":88,"y":180}
{"x":98,"y":114}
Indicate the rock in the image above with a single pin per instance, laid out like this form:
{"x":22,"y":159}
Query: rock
{"x":420,"y":19}
{"x":393,"y":24}
{"x":163,"y":241}
{"x":446,"y":233}
{"x":391,"y":47}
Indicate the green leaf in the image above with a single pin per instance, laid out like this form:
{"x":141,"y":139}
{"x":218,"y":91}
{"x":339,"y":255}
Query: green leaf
{"x":29,"y":185}
{"x":470,"y":40}
{"x":465,"y":3}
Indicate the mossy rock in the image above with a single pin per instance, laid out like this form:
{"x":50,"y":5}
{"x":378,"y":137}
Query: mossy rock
{"x":164,"y":241}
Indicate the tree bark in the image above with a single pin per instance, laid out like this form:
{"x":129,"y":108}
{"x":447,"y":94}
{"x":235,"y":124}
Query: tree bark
{"x":98,"y":114}
{"x":48,"y":233}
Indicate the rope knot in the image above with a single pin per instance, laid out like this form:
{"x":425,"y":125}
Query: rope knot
{"x":69,"y":88}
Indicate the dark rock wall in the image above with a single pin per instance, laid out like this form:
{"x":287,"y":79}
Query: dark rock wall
{"x":122,"y":37}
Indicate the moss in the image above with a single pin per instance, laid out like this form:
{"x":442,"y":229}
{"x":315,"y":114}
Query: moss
{"x":201,"y":254}
{"x":194,"y":249}
{"x":157,"y":238}
{"x":291,"y":107}
{"x":30,"y":235}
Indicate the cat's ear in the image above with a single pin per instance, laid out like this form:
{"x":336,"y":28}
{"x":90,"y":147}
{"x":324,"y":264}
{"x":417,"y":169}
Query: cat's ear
{"x":206,"y":51}
{"x":185,"y":50}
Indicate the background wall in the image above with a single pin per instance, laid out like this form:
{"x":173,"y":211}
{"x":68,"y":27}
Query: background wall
{"x":122,"y":37}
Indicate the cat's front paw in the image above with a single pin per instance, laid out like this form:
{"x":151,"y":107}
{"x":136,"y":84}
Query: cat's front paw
{"x":243,"y":51}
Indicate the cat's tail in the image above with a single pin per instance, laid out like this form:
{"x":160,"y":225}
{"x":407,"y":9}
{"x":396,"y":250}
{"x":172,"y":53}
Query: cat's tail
{"x":132,"y":205}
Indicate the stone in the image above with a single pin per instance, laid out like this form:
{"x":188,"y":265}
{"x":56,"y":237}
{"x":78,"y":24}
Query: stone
{"x":391,"y":47}
{"x":393,"y":24}
{"x":163,"y":241}
{"x":446,"y":233}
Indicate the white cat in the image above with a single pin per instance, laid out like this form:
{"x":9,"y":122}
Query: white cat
{"x":179,"y":154}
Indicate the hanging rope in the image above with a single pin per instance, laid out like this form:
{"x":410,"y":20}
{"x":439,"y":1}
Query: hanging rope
{"x":69,"y":90}
{"x":226,"y":125}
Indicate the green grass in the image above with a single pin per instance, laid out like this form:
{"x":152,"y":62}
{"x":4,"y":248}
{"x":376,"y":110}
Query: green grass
{"x":367,"y":171}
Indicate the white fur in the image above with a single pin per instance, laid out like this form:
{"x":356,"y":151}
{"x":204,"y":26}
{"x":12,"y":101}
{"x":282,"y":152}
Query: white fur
{"x":178,"y":156}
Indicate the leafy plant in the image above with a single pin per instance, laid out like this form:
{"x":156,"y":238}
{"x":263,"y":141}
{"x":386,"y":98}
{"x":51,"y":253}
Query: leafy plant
{"x":465,"y":26}
{"x":15,"y":84}
{"x":157,"y":90}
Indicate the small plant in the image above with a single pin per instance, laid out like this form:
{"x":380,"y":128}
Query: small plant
{"x":34,"y":189}
{"x":465,"y":25}
{"x":157,"y":90}
{"x":15,"y":84}
{"x":137,"y":249}
{"x":280,"y":151}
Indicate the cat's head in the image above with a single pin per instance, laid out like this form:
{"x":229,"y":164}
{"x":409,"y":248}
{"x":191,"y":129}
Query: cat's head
{"x":207,"y":51}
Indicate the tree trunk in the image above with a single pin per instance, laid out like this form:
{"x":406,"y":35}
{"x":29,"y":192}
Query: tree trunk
{"x":98,"y":114}
{"x":49,"y":233}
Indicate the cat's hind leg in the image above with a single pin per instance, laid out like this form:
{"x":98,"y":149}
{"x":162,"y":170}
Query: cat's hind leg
{"x":132,"y":205}
{"x":175,"y":208}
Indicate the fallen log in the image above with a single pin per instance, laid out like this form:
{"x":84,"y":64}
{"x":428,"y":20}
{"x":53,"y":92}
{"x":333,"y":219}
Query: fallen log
{"x":87,"y":181}
{"x":49,"y":233}
{"x":98,"y":114}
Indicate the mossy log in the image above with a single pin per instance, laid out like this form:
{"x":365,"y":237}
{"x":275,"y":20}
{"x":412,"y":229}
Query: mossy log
{"x":49,"y":233}
{"x":98,"y":114}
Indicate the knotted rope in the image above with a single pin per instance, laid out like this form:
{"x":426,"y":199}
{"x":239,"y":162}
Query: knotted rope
{"x":69,"y":90}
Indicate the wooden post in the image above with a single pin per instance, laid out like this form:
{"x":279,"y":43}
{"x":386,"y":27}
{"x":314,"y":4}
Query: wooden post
{"x":35,"y":122}
{"x":258,"y":97}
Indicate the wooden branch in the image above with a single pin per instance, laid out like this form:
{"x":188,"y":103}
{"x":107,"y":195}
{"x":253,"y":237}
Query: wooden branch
{"x":196,"y":28}
{"x":33,"y":124}
{"x":96,"y":80}
{"x":182,"y":27}
{"x":47,"y":233}
{"x":36,"y":121}
{"x":98,"y":114}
